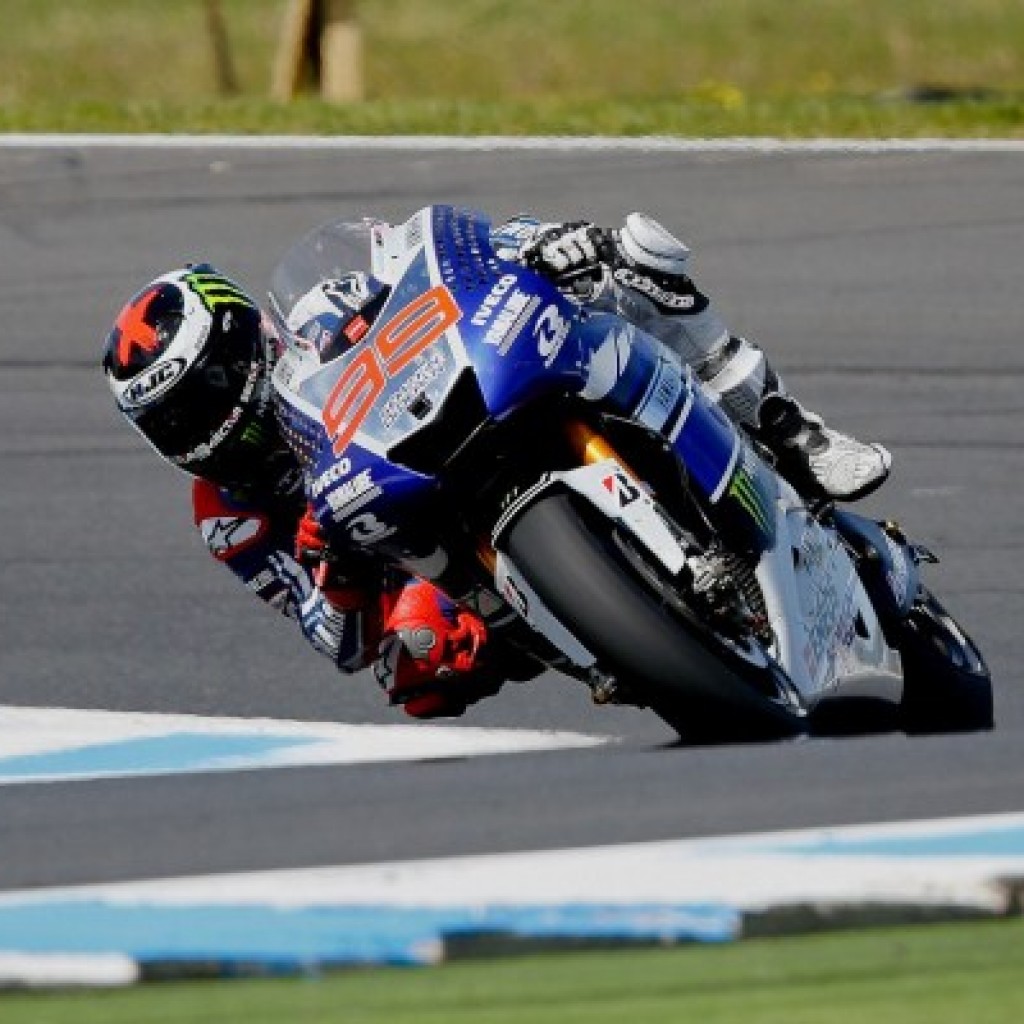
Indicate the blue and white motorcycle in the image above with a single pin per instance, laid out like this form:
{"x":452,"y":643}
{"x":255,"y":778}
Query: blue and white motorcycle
{"x":562,"y":474}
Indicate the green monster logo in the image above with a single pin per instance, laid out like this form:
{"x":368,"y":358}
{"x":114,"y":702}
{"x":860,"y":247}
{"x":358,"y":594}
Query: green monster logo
{"x":744,"y":490}
{"x":214,"y":290}
{"x":254,"y":433}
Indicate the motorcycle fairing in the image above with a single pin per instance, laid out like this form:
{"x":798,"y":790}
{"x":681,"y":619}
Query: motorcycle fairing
{"x":454,"y":309}
{"x":357,"y":494}
{"x":890,"y":567}
{"x":634,"y":374}
{"x":828,"y":636}
{"x":611,"y":489}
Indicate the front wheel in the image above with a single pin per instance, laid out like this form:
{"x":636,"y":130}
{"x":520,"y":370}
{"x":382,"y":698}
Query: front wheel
{"x":947,"y":686}
{"x":568,"y":554}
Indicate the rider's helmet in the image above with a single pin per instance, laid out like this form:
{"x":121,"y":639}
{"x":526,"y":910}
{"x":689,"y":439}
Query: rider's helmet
{"x":189,"y":360}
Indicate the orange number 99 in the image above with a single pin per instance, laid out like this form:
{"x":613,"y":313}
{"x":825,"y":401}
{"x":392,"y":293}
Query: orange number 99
{"x":412,"y":330}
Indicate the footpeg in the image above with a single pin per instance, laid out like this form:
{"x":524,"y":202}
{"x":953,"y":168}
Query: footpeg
{"x":605,"y":689}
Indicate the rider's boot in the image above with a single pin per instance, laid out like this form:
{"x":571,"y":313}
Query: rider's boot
{"x":649,"y":266}
{"x":819,"y":461}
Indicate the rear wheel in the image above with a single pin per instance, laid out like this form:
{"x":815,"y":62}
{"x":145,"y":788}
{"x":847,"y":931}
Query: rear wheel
{"x":947,"y":686}
{"x":706,"y":691}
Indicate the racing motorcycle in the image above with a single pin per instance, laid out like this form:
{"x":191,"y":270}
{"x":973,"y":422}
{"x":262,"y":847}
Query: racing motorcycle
{"x":562,"y":474}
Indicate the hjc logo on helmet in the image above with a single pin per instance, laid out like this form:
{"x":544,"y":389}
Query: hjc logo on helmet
{"x":153,"y":382}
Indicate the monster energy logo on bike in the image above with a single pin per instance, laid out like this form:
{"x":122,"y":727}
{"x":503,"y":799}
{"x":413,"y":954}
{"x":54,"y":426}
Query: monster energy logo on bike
{"x":214,"y":290}
{"x":744,"y":490}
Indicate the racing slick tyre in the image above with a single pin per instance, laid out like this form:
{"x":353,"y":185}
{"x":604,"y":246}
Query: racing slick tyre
{"x":947,"y":686}
{"x":571,"y":557}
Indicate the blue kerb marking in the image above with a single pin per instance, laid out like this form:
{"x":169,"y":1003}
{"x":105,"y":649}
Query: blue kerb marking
{"x":304,"y":937}
{"x":152,"y":755}
{"x":994,"y":841}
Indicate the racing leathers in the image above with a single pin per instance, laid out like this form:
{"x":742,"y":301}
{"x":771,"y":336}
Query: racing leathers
{"x":423,"y":649}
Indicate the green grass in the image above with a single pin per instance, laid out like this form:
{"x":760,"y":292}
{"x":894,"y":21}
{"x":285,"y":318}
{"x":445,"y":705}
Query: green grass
{"x":799,"y":117}
{"x":925,"y":975}
{"x":700,"y":67}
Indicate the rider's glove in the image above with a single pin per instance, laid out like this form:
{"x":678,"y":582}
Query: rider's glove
{"x":346,"y":587}
{"x":430,"y":654}
{"x":310,"y":544}
{"x":572,"y":255}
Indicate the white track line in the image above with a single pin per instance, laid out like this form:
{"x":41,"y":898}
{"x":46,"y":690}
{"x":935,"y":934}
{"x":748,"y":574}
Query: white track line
{"x":62,"y":744}
{"x":487,"y":143}
{"x":947,"y":861}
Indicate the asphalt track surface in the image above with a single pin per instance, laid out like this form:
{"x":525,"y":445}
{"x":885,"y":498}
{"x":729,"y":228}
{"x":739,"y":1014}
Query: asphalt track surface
{"x":886,"y":286}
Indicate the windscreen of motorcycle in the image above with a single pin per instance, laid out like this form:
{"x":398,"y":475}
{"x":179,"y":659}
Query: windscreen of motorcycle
{"x":328,"y":252}
{"x":393,"y":382}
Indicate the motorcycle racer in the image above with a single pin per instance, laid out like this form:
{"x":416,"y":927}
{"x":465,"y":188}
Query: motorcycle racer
{"x":189,"y":360}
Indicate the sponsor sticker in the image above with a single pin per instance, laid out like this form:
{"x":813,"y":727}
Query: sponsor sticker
{"x":643,"y":284}
{"x":409,"y":333}
{"x":744,"y":490}
{"x":411,"y":388}
{"x":361,"y":488}
{"x":330,"y":476}
{"x":368,"y":529}
{"x":226,"y":536}
{"x":492,"y":300}
{"x":550,"y":331}
{"x":510,"y":320}
{"x":621,"y":488}
{"x":662,"y":396}
{"x":214,"y":290}
{"x":153,"y":382}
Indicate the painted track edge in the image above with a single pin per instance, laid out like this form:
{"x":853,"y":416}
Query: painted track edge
{"x":552,"y":143}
